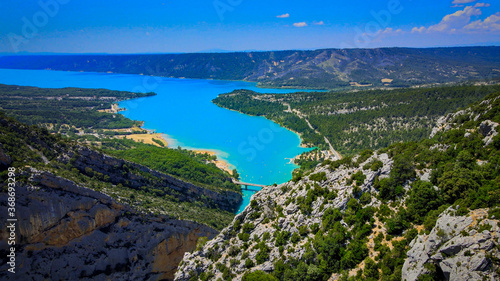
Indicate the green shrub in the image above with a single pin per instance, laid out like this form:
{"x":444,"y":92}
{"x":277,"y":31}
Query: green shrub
{"x":244,"y":237}
{"x":247,"y":227}
{"x":295,"y":238}
{"x":233,"y":251}
{"x":365,"y":198}
{"x":397,"y":224}
{"x":318,"y":177}
{"x":422,"y":199}
{"x":249,"y":263}
{"x":359,"y":177}
{"x":330,"y":216}
{"x":258,"y":276}
{"x":266,"y":236}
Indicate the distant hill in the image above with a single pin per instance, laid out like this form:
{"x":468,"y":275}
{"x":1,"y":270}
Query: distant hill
{"x":328,"y":68}
{"x":367,"y":119}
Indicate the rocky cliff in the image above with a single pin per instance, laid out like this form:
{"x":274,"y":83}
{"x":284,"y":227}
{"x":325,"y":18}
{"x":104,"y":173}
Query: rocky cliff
{"x":414,"y":211}
{"x":458,"y":248}
{"x":69,"y":232}
{"x":135,"y":176}
{"x":275,"y":210}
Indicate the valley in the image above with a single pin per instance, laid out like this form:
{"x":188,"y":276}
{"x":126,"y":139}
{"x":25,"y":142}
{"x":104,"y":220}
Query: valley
{"x":386,"y":173}
{"x":234,"y":140}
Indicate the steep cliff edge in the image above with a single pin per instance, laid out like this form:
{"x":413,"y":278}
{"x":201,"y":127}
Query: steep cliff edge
{"x":69,"y":232}
{"x":135,"y":176}
{"x":262,"y":233}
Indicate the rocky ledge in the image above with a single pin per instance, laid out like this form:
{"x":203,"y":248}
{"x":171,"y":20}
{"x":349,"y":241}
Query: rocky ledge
{"x":458,"y":248}
{"x":134,"y":175}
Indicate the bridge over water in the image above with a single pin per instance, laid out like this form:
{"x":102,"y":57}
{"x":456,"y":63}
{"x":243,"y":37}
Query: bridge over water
{"x":246,"y":184}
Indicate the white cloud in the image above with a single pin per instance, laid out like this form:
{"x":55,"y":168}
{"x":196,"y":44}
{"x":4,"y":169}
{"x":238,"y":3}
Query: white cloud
{"x":459,"y":3}
{"x":480,"y":5}
{"x":491,"y":23}
{"x":462,"y":1}
{"x":462,"y":21}
{"x":300,"y":24}
{"x":319,"y":23}
{"x":391,"y":30}
{"x":455,"y":21}
{"x":283,"y":16}
{"x":418,"y":29}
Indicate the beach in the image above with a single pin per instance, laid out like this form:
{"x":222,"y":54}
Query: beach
{"x":221,"y":164}
{"x":157,"y":138}
{"x":163,"y":140}
{"x":148,"y":138}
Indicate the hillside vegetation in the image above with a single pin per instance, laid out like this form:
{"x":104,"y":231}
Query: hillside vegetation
{"x":319,"y":69}
{"x":184,"y":164}
{"x":55,"y":108}
{"x":354,"y":121}
{"x":28,"y":147}
{"x":425,"y":210}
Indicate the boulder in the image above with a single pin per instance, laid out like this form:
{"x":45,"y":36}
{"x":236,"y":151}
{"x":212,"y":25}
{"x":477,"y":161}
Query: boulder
{"x":456,"y":249}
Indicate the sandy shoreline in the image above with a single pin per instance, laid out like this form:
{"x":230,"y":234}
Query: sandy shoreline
{"x":157,"y":138}
{"x":221,"y":164}
{"x":148,"y":138}
{"x":163,"y":140}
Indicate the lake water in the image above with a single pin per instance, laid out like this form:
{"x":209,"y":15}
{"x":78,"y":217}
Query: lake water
{"x":182,"y":109}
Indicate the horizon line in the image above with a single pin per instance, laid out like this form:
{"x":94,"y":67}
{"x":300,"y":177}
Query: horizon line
{"x":241,"y":51}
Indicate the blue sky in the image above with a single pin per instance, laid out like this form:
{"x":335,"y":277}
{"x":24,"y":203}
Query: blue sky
{"x":159,"y":26}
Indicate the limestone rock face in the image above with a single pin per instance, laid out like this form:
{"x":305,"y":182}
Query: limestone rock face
{"x":68,"y":232}
{"x":456,"y":248}
{"x":113,"y":167}
{"x":488,"y":130}
{"x":444,"y":123}
{"x":268,"y":200}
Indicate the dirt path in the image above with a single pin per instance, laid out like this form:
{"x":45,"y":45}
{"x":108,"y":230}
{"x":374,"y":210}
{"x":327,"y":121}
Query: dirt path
{"x":303,"y":116}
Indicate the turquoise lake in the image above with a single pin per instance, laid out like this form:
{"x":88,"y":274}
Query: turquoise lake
{"x":182,"y":109}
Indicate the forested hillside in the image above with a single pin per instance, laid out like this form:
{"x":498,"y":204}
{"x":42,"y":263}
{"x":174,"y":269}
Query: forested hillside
{"x":353,"y":121}
{"x":324,"y":69}
{"x":79,"y":214}
{"x":68,"y":106}
{"x":72,"y":197}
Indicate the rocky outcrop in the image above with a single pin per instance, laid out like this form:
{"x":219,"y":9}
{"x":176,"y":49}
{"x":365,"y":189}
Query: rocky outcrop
{"x":263,"y":213}
{"x":5,"y":159}
{"x":458,"y":248}
{"x":68,"y":232}
{"x":488,"y":130}
{"x":133,"y":175}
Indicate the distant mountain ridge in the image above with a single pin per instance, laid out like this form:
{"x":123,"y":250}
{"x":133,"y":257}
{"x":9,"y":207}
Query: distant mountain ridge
{"x":326,"y":68}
